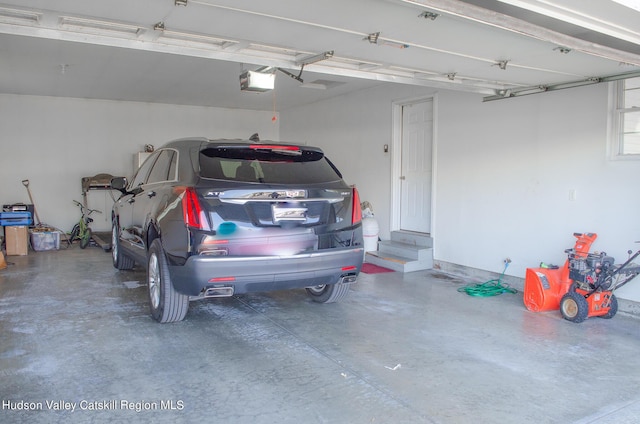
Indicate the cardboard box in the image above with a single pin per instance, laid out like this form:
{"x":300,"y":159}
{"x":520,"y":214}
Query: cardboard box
{"x":45,"y":240}
{"x":16,"y":240}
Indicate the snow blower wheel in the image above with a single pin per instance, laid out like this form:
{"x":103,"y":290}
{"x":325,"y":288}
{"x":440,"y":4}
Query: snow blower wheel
{"x":613,"y":308}
{"x":574,"y":307}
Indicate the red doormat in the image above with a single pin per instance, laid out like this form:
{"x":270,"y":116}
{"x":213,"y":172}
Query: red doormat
{"x":368,"y":268}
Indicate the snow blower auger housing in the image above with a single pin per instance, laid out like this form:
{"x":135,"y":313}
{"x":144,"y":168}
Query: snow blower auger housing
{"x":583,"y":287}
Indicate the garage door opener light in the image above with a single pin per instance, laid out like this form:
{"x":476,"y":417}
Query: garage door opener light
{"x":263,"y":78}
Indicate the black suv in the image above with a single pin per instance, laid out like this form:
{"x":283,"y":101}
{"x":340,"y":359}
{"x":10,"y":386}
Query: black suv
{"x":214,"y":218}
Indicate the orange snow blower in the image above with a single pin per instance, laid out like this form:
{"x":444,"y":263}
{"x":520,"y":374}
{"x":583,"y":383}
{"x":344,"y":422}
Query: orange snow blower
{"x":583,"y":287}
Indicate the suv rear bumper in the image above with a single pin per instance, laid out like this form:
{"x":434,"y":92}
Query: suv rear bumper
{"x":265,"y":273}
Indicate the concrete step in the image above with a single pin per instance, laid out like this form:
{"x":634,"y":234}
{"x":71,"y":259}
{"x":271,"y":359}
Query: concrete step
{"x":399,"y":263}
{"x":410,"y":251}
{"x":411,"y":238}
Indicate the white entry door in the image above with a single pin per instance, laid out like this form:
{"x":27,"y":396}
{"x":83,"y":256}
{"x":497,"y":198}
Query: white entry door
{"x":416,"y":167}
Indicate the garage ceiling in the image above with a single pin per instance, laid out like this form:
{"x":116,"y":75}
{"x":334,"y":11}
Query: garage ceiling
{"x":192,"y":52}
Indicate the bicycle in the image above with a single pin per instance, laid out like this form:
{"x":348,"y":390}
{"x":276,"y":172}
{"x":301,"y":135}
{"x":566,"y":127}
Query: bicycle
{"x":81,"y":230}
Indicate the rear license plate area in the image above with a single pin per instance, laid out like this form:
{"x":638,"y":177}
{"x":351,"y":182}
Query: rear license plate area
{"x":285,"y":214}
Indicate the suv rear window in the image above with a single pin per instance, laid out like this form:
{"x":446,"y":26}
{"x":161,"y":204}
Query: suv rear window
{"x":267,"y":164}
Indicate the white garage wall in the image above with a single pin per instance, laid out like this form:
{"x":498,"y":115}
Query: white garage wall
{"x":54,"y":142}
{"x":504,"y":169}
{"x":504,"y":172}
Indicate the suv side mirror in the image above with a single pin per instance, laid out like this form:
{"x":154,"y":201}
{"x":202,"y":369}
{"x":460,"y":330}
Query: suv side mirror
{"x":120,"y":184}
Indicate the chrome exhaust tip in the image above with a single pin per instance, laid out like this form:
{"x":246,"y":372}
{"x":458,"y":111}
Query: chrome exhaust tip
{"x":218,"y":292}
{"x":348,"y":279}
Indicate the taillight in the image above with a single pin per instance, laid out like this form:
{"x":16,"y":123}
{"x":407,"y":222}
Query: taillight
{"x":192,"y":212}
{"x":356,"y":209}
{"x":222,"y":279}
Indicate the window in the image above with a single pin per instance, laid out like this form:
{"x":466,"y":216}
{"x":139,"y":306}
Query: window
{"x":141,"y":175}
{"x":164,"y":167}
{"x":268,"y":166}
{"x":627,"y":118}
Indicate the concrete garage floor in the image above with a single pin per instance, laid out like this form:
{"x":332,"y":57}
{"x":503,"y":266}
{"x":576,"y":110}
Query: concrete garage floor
{"x":75,"y":332}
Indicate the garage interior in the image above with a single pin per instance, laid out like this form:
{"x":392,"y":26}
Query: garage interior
{"x":516,"y":103}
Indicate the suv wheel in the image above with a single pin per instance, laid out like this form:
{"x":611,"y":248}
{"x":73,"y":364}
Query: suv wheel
{"x":328,"y":293}
{"x":120,"y":261}
{"x":166,"y":304}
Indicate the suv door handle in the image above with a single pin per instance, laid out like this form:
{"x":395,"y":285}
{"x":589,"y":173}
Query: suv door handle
{"x":130,"y":201}
{"x":151,"y":194}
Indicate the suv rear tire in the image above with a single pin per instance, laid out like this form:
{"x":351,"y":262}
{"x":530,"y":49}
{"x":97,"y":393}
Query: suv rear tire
{"x":328,"y":293}
{"x":166,"y":304}
{"x":120,"y":261}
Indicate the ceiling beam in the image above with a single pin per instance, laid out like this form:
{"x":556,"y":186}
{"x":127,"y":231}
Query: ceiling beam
{"x":582,"y":18}
{"x":508,"y":94}
{"x":508,"y":23}
{"x":132,"y":36}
